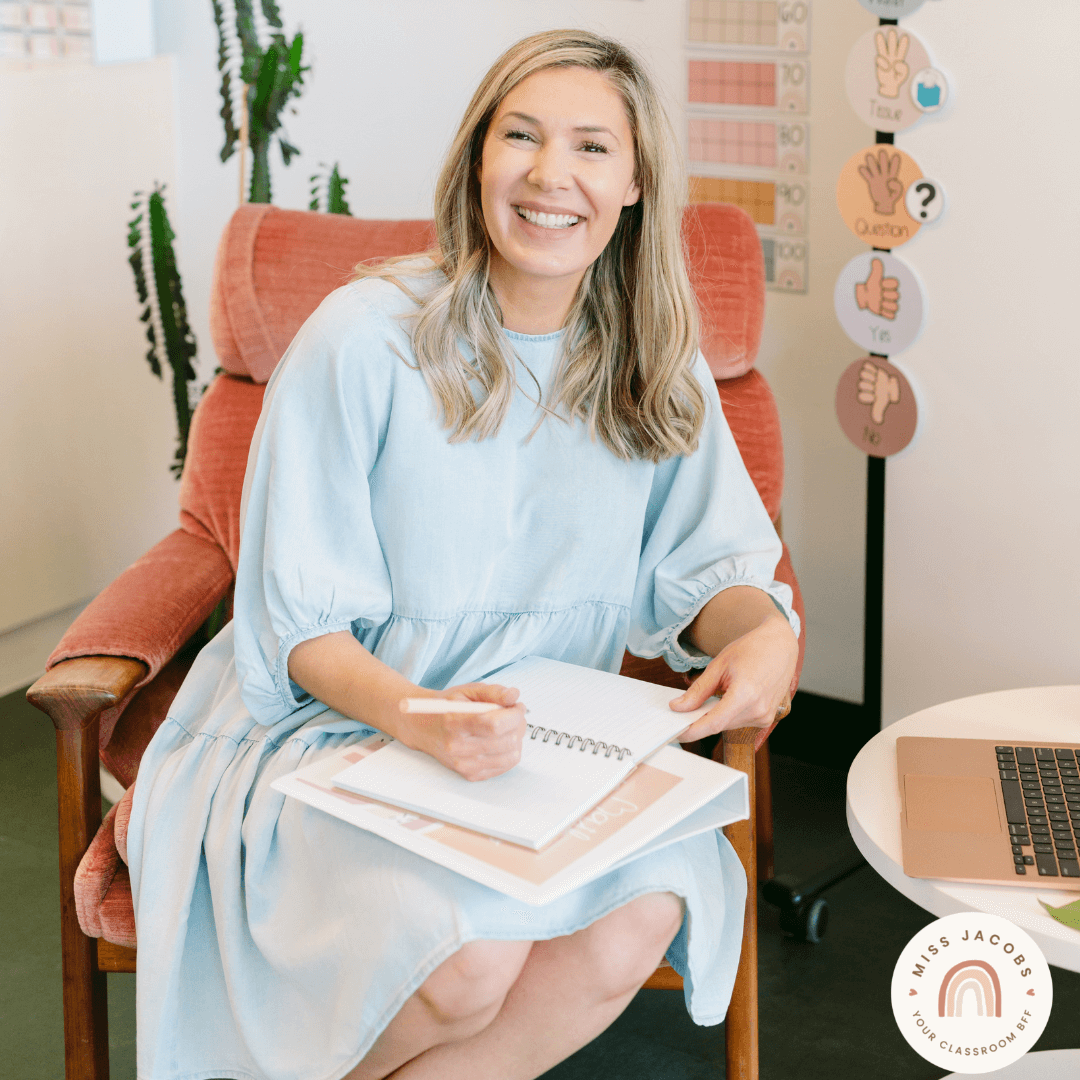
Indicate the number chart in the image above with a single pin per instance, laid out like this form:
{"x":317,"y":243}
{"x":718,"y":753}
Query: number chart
{"x":45,"y":30}
{"x":755,"y":24}
{"x":747,"y":136}
{"x":774,"y":204}
{"x":765,"y":144}
{"x":764,"y":84}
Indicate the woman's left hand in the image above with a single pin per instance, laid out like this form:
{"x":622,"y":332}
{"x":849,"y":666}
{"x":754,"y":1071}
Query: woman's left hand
{"x":753,"y":677}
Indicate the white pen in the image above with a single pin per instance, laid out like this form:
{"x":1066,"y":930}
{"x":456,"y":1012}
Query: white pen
{"x":447,"y":705}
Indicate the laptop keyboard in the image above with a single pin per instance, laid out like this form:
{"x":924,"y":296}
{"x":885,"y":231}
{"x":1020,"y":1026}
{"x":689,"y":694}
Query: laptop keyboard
{"x":1041,"y":787}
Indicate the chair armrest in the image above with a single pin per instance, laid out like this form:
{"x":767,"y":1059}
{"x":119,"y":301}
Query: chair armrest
{"x":75,"y":691}
{"x":153,"y":608}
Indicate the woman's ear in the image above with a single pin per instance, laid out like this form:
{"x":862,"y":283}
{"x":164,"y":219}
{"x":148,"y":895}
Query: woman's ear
{"x":633,"y":193}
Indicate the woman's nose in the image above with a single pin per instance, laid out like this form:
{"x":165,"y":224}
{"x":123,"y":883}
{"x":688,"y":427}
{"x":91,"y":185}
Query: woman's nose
{"x":551,"y":168}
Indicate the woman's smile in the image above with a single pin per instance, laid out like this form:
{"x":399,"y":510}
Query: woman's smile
{"x":549,"y":220}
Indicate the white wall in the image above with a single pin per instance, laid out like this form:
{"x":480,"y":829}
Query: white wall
{"x":86,"y":433}
{"x":983,"y":510}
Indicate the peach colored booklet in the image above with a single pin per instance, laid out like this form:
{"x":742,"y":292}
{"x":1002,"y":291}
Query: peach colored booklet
{"x":673,"y":796}
{"x":588,"y":731}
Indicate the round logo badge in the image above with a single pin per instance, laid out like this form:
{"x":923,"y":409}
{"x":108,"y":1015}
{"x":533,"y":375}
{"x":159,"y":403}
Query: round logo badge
{"x":879,"y":302}
{"x":876,"y":407}
{"x":971,"y":992}
{"x":879,"y":77}
{"x":871,"y":195}
{"x":891,"y":9}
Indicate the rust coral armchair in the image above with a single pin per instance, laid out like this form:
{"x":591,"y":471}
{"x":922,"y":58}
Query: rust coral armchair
{"x":113,"y":675}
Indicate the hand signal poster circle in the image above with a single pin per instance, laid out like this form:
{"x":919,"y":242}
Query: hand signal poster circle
{"x":891,"y":9}
{"x":879,"y":302}
{"x":971,"y":992}
{"x":882,"y":70}
{"x":871,"y":195}
{"x":876,"y":407}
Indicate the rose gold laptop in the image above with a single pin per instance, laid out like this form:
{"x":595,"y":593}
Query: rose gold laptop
{"x":976,"y":810}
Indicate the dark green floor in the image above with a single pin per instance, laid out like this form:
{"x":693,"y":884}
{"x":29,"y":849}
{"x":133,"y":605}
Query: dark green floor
{"x":824,"y":1008}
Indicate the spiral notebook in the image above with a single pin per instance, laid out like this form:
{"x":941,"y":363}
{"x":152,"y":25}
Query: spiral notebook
{"x":588,"y":730}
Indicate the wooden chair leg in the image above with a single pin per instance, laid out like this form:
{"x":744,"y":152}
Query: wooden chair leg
{"x":763,"y":814}
{"x":86,"y":1018}
{"x":741,"y":1026}
{"x":74,"y":694}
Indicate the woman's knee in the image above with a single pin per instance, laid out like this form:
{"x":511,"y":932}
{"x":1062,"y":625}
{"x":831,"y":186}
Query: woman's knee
{"x":626,"y":946}
{"x":474,"y":981}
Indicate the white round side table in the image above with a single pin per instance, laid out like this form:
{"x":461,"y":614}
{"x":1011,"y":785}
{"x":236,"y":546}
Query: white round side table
{"x":1041,"y":1065}
{"x":1027,"y":717}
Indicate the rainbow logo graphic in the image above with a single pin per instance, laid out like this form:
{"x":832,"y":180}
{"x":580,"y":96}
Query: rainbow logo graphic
{"x":975,"y":976}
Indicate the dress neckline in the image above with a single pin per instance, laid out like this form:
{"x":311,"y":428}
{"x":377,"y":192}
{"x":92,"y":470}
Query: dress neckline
{"x":533,"y":337}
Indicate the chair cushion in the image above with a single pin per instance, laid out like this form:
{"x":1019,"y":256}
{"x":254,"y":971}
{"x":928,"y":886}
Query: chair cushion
{"x":274,"y":267}
{"x":727,"y":271}
{"x":213,"y":477}
{"x":751,"y":413}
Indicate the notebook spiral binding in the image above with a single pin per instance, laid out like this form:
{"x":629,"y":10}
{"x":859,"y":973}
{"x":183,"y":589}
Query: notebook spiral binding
{"x":608,"y":748}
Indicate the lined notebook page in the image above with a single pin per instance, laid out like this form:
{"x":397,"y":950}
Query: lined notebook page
{"x":597,"y":704}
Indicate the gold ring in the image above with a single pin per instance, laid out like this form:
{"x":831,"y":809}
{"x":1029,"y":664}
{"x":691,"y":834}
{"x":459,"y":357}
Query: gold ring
{"x":784,"y":709}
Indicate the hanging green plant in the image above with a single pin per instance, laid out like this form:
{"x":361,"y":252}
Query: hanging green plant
{"x":160,"y":291}
{"x":269,"y":77}
{"x":329,"y":191}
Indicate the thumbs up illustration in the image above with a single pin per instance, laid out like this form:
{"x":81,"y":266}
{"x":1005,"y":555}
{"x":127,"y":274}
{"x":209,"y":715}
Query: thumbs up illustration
{"x":878,"y":294}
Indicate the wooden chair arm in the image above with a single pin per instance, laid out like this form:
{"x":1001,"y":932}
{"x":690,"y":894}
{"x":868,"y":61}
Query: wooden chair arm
{"x":76,"y":691}
{"x":742,"y":1021}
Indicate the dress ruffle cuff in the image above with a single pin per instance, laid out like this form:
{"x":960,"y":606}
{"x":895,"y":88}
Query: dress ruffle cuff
{"x":680,"y":657}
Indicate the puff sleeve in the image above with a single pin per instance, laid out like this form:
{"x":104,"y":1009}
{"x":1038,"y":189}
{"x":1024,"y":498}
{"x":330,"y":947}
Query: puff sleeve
{"x":310,"y":559}
{"x":706,"y":529}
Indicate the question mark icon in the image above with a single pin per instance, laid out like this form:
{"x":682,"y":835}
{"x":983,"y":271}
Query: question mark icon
{"x":924,"y":201}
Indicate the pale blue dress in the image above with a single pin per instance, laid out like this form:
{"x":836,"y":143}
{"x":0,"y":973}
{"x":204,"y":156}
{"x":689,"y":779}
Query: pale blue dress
{"x":276,"y":942}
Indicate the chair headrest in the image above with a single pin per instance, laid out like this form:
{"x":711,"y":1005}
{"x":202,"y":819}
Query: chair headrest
{"x":274,"y":267}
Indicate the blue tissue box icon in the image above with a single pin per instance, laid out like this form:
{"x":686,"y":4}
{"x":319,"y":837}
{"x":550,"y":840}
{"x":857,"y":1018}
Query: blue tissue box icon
{"x":929,"y":97}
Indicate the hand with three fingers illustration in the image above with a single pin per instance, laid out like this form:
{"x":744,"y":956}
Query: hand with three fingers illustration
{"x":882,"y":176}
{"x":891,"y":69}
{"x":878,"y":294}
{"x":877,"y":388}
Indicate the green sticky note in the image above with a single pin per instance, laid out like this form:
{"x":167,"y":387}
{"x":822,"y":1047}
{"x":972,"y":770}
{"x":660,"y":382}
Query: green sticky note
{"x":1069,"y":914}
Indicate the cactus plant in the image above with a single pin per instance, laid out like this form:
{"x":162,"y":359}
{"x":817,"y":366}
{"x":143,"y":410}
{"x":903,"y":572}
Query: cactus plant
{"x":268,"y":77}
{"x":157,"y":282}
{"x":333,"y":187}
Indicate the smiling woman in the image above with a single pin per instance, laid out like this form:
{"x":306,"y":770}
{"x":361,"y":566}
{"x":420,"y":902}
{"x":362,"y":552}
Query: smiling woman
{"x":564,"y":123}
{"x":414,"y":520}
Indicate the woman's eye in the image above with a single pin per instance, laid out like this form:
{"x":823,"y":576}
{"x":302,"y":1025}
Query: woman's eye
{"x":595,"y":146}
{"x":518,"y":135}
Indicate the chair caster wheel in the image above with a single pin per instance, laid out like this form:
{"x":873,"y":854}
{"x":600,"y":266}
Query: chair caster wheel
{"x":807,"y":922}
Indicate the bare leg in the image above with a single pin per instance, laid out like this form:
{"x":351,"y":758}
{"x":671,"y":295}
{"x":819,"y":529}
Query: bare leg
{"x":570,"y":989}
{"x":461,"y":997}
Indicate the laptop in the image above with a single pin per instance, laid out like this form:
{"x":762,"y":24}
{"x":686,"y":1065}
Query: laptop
{"x":1000,"y":814}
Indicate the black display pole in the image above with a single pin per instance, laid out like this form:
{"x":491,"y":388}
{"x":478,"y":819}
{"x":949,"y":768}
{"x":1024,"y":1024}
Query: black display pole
{"x":826,"y":730}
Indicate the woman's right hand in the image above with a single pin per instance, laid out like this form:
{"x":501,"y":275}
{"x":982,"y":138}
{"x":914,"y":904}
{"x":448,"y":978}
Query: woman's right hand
{"x":476,"y":745}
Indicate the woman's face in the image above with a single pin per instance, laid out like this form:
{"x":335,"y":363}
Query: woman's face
{"x":556,"y":171}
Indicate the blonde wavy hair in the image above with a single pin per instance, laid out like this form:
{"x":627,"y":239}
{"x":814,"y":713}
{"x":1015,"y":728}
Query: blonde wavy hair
{"x":632,"y":329}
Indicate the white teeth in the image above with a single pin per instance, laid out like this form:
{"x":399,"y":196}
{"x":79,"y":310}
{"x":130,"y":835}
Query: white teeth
{"x":547,"y":221}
